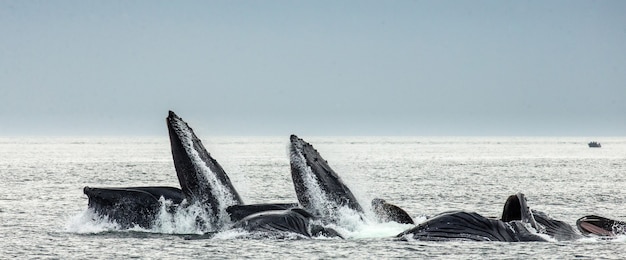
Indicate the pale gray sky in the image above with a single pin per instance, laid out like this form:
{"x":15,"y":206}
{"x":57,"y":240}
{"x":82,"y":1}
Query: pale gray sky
{"x":313,"y":67}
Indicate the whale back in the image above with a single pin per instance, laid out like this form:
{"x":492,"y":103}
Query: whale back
{"x":275,"y":223}
{"x":556,"y":229}
{"x":469,"y":226}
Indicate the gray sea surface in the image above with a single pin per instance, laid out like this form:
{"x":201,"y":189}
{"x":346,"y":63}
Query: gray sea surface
{"x":43,"y":211}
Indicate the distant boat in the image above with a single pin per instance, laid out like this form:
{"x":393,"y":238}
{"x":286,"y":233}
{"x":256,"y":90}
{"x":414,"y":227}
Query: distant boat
{"x":595,"y":144}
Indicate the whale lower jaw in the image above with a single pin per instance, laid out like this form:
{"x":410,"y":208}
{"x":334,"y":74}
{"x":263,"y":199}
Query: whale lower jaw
{"x":132,"y":206}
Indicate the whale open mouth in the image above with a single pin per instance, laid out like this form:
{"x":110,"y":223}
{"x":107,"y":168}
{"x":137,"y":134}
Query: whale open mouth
{"x":600,"y":226}
{"x":516,"y":208}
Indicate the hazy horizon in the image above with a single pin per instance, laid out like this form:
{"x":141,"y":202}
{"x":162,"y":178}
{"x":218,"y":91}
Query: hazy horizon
{"x":319,"y":68}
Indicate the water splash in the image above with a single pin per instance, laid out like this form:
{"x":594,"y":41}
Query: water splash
{"x":89,"y":222}
{"x":243,"y":234}
{"x":184,"y":220}
{"x":355,"y":226}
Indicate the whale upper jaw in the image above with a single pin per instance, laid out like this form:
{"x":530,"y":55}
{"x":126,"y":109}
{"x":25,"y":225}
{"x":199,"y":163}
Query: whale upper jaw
{"x":201,"y":177}
{"x":318,"y":188}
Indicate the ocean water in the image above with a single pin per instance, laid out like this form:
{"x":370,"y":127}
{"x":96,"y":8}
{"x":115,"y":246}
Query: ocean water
{"x":43,"y":211}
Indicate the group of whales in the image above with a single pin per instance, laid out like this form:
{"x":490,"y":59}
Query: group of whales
{"x":207,"y":191}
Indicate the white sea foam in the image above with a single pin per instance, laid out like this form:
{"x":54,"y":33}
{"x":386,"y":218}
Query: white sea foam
{"x":87,"y":222}
{"x":354,"y":225}
{"x":231,"y":234}
{"x":182,"y":221}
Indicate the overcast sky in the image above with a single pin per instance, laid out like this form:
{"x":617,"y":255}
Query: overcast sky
{"x":313,"y":67}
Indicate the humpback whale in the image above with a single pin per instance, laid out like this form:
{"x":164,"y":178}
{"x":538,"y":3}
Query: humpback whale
{"x":516,"y":208}
{"x":514,"y":226}
{"x":274,"y":223}
{"x":471,"y":226}
{"x":321,"y":191}
{"x":202,"y":179}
